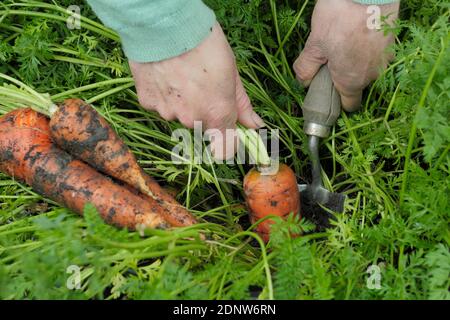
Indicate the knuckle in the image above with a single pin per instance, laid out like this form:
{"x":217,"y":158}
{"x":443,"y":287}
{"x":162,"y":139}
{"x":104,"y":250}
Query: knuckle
{"x":310,"y":56}
{"x":146,"y":100}
{"x":148,"y":104}
{"x":301,"y":69}
{"x":168,"y":117}
{"x":242,"y":99}
{"x":221,"y":119}
{"x":186,"y":119}
{"x":297,"y":66}
{"x":348,"y":82}
{"x":166,"y":113}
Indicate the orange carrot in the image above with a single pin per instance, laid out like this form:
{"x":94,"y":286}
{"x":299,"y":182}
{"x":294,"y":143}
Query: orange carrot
{"x":28,"y":154}
{"x":77,"y":128}
{"x":275,"y":194}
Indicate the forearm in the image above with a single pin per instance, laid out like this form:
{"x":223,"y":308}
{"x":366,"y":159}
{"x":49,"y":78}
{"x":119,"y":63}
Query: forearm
{"x":154,"y":30}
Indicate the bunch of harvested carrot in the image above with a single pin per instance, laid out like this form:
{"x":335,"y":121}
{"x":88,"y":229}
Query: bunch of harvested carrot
{"x":269,"y":190}
{"x":76,"y":127}
{"x":28,"y":154}
{"x":80,"y":131}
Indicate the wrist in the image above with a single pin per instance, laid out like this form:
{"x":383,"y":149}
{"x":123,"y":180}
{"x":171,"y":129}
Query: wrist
{"x":156,"y":30}
{"x":182,"y":31}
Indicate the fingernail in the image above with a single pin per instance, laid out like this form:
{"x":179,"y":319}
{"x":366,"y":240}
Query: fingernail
{"x":257,"y":120}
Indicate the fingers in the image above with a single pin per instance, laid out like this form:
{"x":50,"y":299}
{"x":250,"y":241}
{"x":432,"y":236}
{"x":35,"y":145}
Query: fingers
{"x":246,"y":116}
{"x":148,"y":93}
{"x":352,"y":101}
{"x":223,"y":144}
{"x":152,"y":104}
{"x":221,"y":122}
{"x":350,"y":88}
{"x":199,"y":85}
{"x":309,"y":62}
{"x":220,"y":125}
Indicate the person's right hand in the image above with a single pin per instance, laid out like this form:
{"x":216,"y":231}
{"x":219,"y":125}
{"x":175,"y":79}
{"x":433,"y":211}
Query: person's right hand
{"x":341,"y":38}
{"x":202,"y":84}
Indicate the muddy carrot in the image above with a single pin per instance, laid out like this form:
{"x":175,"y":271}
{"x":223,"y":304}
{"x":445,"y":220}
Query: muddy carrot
{"x":268,"y":189}
{"x":272,"y":194}
{"x":78,"y":128}
{"x":28,"y":154}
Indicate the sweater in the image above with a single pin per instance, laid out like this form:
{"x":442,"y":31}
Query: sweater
{"x":155,"y":30}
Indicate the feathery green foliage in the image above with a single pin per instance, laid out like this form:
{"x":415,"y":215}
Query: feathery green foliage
{"x":391,"y":159}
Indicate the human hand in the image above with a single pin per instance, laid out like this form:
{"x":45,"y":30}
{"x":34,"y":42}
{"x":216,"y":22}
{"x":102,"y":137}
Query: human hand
{"x":202,"y":84}
{"x":341,"y":37}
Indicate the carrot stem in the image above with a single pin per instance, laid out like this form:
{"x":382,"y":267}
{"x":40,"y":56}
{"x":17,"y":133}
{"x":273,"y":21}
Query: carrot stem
{"x":254,"y":145}
{"x":21,"y":93}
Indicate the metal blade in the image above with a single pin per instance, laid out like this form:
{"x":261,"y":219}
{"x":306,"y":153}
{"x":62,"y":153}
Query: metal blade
{"x":320,"y":210}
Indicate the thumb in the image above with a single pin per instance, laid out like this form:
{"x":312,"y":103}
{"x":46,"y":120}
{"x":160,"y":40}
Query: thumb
{"x":246,"y":116}
{"x":309,"y":61}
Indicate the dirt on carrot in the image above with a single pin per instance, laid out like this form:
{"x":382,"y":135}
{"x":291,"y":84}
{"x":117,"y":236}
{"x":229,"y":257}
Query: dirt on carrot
{"x":272,"y":194}
{"x":80,"y":130}
{"x":27,"y":154}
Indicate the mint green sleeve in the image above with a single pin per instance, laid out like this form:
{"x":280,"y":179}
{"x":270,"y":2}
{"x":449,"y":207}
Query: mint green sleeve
{"x":380,"y":2}
{"x":154,"y":30}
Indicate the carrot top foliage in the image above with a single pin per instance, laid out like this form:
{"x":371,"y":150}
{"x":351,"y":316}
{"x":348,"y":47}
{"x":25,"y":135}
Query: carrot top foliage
{"x":391,"y":159}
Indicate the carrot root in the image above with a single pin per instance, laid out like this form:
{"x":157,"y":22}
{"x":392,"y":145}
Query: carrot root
{"x":275,"y":194}
{"x":27,"y":154}
{"x":78,"y":128}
